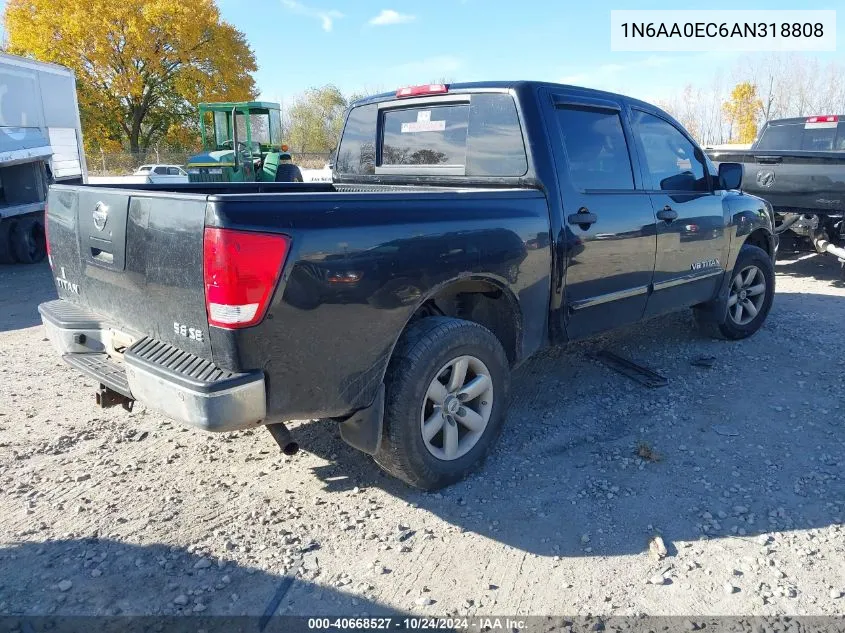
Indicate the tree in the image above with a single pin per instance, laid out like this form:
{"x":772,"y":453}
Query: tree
{"x":741,"y":111}
{"x":141,"y":65}
{"x":314,"y":121}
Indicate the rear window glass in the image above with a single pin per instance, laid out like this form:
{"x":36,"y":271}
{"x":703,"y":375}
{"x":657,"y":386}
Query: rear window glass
{"x":811,"y":137}
{"x":357,"y":152}
{"x":479,"y":138}
{"x":433,"y":136}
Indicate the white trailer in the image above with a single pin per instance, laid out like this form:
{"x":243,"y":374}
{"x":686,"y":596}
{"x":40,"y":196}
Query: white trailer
{"x":40,"y":143}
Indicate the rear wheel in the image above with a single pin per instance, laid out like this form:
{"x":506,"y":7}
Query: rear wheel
{"x":28,"y":241}
{"x":7,"y":254}
{"x":746,"y":305}
{"x":446,"y":396}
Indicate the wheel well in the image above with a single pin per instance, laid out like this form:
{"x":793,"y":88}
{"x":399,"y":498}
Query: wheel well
{"x":481,"y":302}
{"x":760,"y":238}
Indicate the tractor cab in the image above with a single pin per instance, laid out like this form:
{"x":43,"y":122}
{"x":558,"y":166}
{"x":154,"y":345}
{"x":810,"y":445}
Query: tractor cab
{"x":242,"y":142}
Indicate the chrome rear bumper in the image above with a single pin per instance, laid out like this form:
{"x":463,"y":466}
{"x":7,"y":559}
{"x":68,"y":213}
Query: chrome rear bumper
{"x":160,"y":376}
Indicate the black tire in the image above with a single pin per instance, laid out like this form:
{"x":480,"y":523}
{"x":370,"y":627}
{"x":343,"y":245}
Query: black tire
{"x":28,"y":241}
{"x":715,"y":318}
{"x":288,"y":172}
{"x":7,"y":254}
{"x":422,"y":351}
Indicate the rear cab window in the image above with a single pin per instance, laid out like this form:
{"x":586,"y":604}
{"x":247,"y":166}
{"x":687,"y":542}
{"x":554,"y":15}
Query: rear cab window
{"x":460,"y":134}
{"x":595,"y":149}
{"x":804,"y":135}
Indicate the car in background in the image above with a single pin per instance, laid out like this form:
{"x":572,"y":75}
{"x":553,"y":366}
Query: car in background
{"x":162,"y":173}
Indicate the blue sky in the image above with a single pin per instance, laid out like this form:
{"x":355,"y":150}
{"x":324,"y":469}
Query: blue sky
{"x":368,"y":45}
{"x":303,"y":43}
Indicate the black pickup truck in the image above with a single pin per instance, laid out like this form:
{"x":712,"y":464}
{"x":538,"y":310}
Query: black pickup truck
{"x":798,"y":165}
{"x":467,"y":227}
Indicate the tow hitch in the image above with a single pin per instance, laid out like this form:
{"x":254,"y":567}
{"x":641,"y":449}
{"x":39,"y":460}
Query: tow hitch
{"x":107,"y":398}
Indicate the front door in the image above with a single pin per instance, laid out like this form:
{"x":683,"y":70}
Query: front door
{"x":608,"y":217}
{"x":691,"y":239}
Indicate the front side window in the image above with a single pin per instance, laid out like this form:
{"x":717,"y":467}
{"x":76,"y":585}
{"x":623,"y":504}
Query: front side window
{"x":595,"y":148}
{"x":670,"y":157}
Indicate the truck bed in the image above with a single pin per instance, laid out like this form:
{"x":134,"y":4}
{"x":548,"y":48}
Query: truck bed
{"x":355,"y":261}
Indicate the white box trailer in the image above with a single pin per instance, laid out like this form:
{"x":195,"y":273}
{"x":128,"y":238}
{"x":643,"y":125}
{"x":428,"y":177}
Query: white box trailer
{"x":40,"y":143}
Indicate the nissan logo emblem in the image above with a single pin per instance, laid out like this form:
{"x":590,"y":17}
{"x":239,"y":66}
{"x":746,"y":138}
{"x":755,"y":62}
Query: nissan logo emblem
{"x":101,"y":215}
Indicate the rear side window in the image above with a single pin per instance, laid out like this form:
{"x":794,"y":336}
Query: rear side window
{"x":801,"y":135}
{"x":160,"y":170}
{"x":595,"y":148}
{"x":479,"y":138}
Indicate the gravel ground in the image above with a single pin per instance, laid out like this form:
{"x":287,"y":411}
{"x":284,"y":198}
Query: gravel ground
{"x":737,"y":468}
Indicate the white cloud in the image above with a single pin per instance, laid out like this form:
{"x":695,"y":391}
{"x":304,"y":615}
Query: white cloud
{"x":326,"y":16}
{"x":389,"y":16}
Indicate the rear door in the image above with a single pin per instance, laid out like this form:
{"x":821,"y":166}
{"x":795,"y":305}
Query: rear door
{"x":608,"y":217}
{"x":691,"y":240}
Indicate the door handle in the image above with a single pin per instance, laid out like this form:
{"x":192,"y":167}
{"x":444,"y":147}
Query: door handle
{"x":667,"y":214}
{"x":583,"y":218}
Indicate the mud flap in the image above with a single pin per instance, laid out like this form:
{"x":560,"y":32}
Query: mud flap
{"x":362,"y":430}
{"x":715,"y":311}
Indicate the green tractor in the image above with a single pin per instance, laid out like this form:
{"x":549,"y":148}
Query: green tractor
{"x":242,"y":142}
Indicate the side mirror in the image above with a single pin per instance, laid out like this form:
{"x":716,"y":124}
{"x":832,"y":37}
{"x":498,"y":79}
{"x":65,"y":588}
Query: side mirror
{"x":235,"y":139}
{"x":730,"y":175}
{"x":333,"y":160}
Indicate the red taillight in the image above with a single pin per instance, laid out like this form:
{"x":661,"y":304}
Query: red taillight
{"x":241,"y":270}
{"x":830,"y":118}
{"x":418,"y":91}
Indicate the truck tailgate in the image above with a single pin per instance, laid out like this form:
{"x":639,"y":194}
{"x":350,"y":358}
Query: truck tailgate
{"x":800,"y":180}
{"x":134,"y":258}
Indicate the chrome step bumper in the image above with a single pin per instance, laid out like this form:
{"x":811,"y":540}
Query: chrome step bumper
{"x":160,"y":376}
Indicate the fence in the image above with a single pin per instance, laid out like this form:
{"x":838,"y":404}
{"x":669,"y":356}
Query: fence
{"x":124,"y":163}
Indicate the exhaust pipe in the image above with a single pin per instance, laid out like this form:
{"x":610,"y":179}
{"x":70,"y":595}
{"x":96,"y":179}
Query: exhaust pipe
{"x":283,"y":438}
{"x":823,"y":246}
